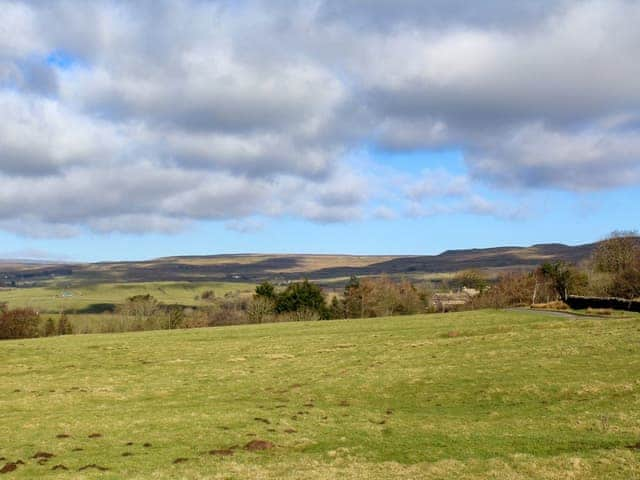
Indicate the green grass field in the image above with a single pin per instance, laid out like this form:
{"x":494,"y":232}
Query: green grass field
{"x":57,"y":297}
{"x":479,"y":395}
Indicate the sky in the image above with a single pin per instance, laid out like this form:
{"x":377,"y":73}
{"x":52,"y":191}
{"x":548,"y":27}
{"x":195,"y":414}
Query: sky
{"x":135,"y":130}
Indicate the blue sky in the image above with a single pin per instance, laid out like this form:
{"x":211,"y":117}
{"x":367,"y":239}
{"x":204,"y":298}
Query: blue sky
{"x":396,"y":127}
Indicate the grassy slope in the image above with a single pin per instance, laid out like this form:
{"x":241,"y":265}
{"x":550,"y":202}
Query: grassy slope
{"x":50,"y":299}
{"x":512,"y":396}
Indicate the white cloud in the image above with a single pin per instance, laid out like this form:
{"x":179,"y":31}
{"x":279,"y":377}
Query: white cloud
{"x":172,"y":112}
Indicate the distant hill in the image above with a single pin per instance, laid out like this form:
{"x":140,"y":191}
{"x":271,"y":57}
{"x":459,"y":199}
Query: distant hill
{"x":323,"y":268}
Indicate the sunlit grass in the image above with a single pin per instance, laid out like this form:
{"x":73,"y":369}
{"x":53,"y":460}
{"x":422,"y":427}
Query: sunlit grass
{"x":489,"y":394}
{"x":55,"y":298}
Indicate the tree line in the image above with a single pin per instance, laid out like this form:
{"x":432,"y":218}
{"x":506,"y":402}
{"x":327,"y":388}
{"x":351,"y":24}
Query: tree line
{"x":612,"y":271}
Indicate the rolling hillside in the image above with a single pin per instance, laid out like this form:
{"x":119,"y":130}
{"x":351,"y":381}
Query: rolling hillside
{"x":258,"y":267}
{"x":474,"y":395}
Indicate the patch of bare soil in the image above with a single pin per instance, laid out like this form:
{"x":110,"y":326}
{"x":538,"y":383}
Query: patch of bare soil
{"x":43,"y":455}
{"x":258,"y":445}
{"x":180,"y":460}
{"x":95,"y":435}
{"x":127,"y":454}
{"x":9,"y":467}
{"x":146,"y":445}
{"x":93,"y":465}
{"x":63,"y":435}
{"x":263,"y":420}
{"x":59,"y":467}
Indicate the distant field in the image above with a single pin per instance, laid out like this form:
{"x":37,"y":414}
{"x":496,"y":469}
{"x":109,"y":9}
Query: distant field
{"x":55,"y":298}
{"x":477,"y":395}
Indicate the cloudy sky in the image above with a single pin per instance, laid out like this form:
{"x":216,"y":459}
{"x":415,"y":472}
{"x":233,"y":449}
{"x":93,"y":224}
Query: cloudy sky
{"x":149,"y":128}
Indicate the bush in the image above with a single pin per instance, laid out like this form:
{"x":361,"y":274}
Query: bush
{"x":378,"y":297}
{"x":625,"y":284}
{"x":261,"y":309}
{"x":19,"y":323}
{"x":49,"y":328}
{"x":509,"y":291}
{"x":302,"y":296}
{"x":64,"y":327}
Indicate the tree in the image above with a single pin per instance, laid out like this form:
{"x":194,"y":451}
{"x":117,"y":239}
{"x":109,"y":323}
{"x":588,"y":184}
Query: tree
{"x":49,"y":328}
{"x":64,"y":327}
{"x":302,"y":295}
{"x":175,"y":316}
{"x":470,"y":279}
{"x":260,"y":309}
{"x":19,"y":323}
{"x":626,"y":284}
{"x":266,"y":290}
{"x":564,"y":278}
{"x":619,"y":252}
{"x":375,"y":297}
{"x":619,"y":257}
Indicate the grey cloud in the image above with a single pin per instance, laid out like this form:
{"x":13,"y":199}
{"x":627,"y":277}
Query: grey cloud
{"x":535,"y":156}
{"x":385,"y":14}
{"x":178,"y":111}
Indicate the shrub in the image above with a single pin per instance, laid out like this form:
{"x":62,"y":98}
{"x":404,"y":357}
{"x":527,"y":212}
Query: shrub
{"x":625,"y":284}
{"x":19,"y":323}
{"x":49,"y":328}
{"x":208,"y":295}
{"x":377,"y":297}
{"x":261,"y":309}
{"x":299,"y":296}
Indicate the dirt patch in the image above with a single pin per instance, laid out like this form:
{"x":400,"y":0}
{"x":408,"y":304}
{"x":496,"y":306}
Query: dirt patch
{"x":453,"y":334}
{"x":127,"y":454}
{"x":94,"y":466}
{"x":290,"y":430}
{"x":309,"y":405}
{"x":95,"y":435}
{"x":63,"y":435}
{"x":180,"y":460}
{"x":128,"y":444}
{"x":263,"y":420}
{"x":59,"y":467}
{"x":258,"y":445}
{"x":9,"y":467}
{"x":77,"y":449}
{"x":43,"y":455}
{"x":344,"y":403}
{"x":223,"y":452}
{"x":147,"y":445}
